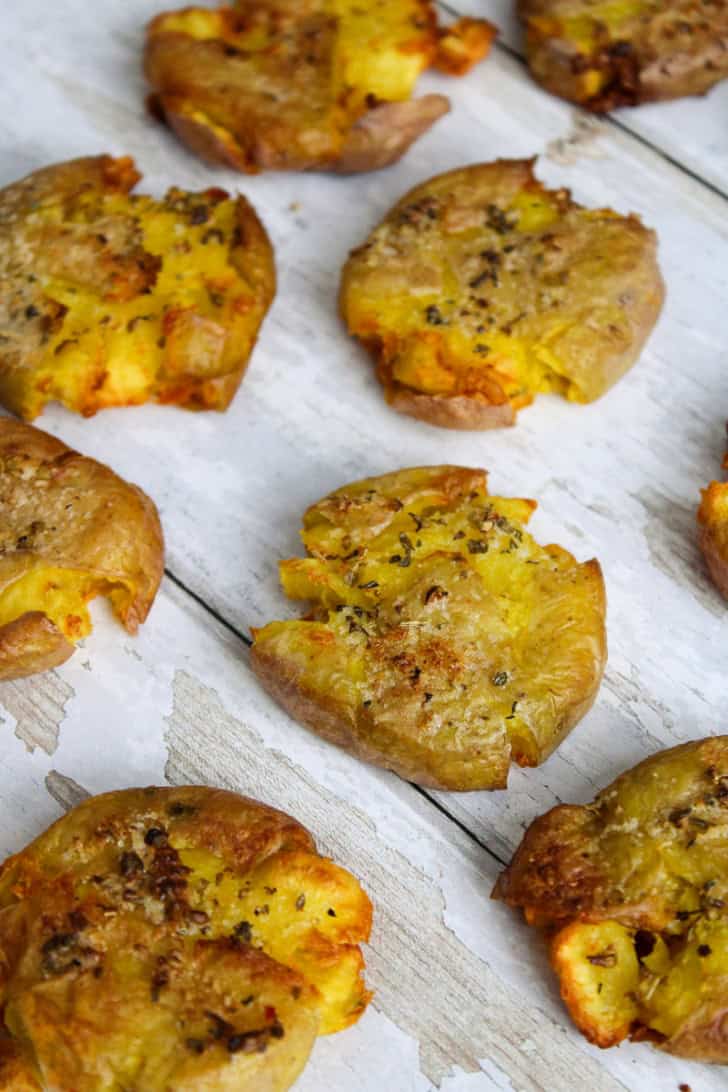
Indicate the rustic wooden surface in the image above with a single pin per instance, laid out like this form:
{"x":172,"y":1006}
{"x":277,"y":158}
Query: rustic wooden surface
{"x":464,"y":1001}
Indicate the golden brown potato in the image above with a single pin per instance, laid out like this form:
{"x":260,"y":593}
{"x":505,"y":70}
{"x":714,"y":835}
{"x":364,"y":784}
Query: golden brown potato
{"x":633,"y":889}
{"x":443,"y":642}
{"x":16,"y":1072}
{"x":604,"y":54}
{"x":70,"y":529}
{"x":174,"y":939}
{"x":112,"y":299}
{"x":713,"y":531}
{"x":482,"y":288}
{"x":304,"y":84}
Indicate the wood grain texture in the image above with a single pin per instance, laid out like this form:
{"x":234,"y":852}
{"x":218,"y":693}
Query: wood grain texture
{"x":463,"y":999}
{"x":618,"y":479}
{"x":465,"y":1002}
{"x":38,"y":706}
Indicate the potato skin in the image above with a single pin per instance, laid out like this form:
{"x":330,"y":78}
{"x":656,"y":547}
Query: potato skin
{"x":427,"y":600}
{"x":31,"y":644}
{"x":283,"y":86}
{"x":481,"y":288}
{"x":713,"y":533}
{"x":382,"y":135}
{"x":658,"y":49}
{"x":641,"y":870}
{"x":109,"y":298}
{"x":124,"y":953}
{"x":63,"y":512}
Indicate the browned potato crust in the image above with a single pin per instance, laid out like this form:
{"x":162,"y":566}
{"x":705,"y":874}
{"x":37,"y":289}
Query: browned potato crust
{"x":16,"y":1073}
{"x":713,"y":533}
{"x":304,"y":84}
{"x":70,"y":529}
{"x":463,"y":44}
{"x":633,"y":890}
{"x":604,"y":54}
{"x":112,"y":299}
{"x":482,"y":288}
{"x":174,"y":939}
{"x":443,"y":642}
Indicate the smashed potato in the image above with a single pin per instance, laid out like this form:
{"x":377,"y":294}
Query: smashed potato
{"x":111,"y":299}
{"x":170,"y":939}
{"x":713,"y":525}
{"x":609,"y":53}
{"x":482,"y":288}
{"x":70,"y":529}
{"x":302,"y":84}
{"x":443,"y":642}
{"x":633,"y":889}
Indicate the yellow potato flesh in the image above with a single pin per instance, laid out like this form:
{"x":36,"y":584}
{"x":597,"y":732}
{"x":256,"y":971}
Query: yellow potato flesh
{"x":301,"y":910}
{"x":599,"y":974}
{"x":61,"y":594}
{"x":122,"y":341}
{"x":450,"y":640}
{"x":612,"y":16}
{"x":463,"y":351}
{"x":373,"y":53}
{"x":609,"y":989}
{"x":606,"y":23}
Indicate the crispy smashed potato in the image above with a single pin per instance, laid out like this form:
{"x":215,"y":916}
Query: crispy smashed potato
{"x":482,"y":288}
{"x":713,"y":531}
{"x":111,"y":299}
{"x":303,"y":84}
{"x":609,"y":53}
{"x":443,"y":642}
{"x":174,"y":939}
{"x":633,"y":890}
{"x":70,"y":529}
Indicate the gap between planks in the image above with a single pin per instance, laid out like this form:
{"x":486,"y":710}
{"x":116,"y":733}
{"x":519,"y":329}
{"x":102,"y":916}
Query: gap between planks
{"x":436,"y":803}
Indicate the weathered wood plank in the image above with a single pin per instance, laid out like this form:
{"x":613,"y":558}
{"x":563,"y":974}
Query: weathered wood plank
{"x":464,"y":1000}
{"x":460,"y":984}
{"x":619,"y":479}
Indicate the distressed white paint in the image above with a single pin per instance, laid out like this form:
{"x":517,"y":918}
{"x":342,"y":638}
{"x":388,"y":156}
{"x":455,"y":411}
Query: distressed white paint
{"x":464,"y":998}
{"x":462,"y":991}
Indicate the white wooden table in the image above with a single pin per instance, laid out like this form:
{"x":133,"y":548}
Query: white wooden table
{"x":464,"y":1000}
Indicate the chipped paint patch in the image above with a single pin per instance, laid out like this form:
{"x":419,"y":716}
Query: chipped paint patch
{"x":644,"y":710}
{"x":463,"y":1016}
{"x":465,"y":1082}
{"x":38,"y":707}
{"x":579,"y":143}
{"x":64,"y":790}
